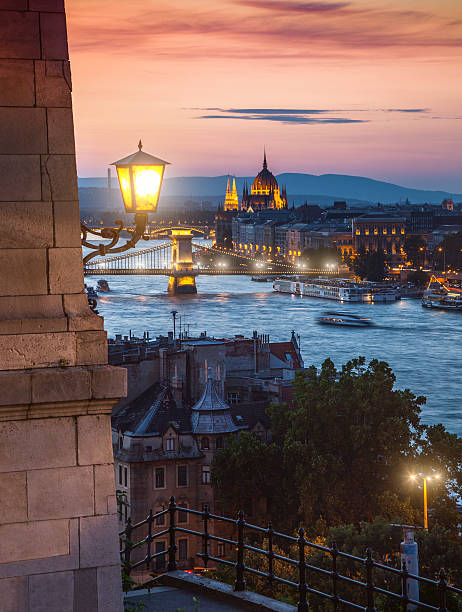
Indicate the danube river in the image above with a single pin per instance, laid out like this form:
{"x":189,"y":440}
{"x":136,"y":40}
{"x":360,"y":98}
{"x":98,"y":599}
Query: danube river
{"x":422,"y":346}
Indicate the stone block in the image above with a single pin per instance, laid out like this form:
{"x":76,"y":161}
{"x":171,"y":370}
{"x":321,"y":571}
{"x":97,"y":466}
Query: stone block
{"x":99,"y":541}
{"x":59,"y":178}
{"x":60,"y":131}
{"x":27,"y":272}
{"x":28,"y":225}
{"x":60,"y":493}
{"x":91,"y":322}
{"x":94,"y":439}
{"x":14,"y":497}
{"x":15,"y":388}
{"x":13,"y":594}
{"x":33,"y":326}
{"x":53,"y":36}
{"x":13,"y":5}
{"x":44,"y":350}
{"x":53,"y":6}
{"x":37,"y":444}
{"x":23,"y":131}
{"x":61,"y":385}
{"x":17,"y":82}
{"x":110,"y":589}
{"x":85,"y":591}
{"x":33,"y":540}
{"x":21,"y":179}
{"x":22,"y":307}
{"x":91,"y":348}
{"x":67,"y":224}
{"x":109,"y":381}
{"x":53,"y":83}
{"x":65,"y":270}
{"x":19,"y":35}
{"x":104,"y":488}
{"x":76,"y":305}
{"x":52,"y":592}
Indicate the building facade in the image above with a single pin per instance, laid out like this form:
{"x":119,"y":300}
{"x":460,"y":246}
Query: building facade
{"x":264,"y":193}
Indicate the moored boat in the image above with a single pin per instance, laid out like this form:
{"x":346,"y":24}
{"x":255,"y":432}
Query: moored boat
{"x":440,"y":296}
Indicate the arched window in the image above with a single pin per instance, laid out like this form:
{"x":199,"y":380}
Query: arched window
{"x":205,"y":444}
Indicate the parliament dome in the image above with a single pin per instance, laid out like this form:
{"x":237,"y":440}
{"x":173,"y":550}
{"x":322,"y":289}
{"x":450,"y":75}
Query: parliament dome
{"x":265,"y":180}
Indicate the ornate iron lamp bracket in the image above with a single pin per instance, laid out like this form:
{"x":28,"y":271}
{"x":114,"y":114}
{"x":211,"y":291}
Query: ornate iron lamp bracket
{"x":113,"y":234}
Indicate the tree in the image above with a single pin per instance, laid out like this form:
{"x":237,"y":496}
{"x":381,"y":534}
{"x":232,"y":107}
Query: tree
{"x":419,"y":278}
{"x":415,"y":247}
{"x":449,"y":252}
{"x":319,"y":258}
{"x":342,"y":455}
{"x":369,"y":265}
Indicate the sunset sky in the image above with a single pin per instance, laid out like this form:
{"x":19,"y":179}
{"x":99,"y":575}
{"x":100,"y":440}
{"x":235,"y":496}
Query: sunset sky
{"x":363,"y":87}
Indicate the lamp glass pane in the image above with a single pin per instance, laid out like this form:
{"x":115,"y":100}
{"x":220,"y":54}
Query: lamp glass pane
{"x":147,"y":181}
{"x":125,"y":187}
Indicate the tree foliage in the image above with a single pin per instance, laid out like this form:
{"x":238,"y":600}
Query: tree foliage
{"x":342,"y":455}
{"x":320,"y":257}
{"x":415,"y":247}
{"x":449,"y":252}
{"x":369,"y":265}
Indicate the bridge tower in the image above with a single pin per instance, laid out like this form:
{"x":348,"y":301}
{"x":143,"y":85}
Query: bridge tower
{"x":183,"y":278}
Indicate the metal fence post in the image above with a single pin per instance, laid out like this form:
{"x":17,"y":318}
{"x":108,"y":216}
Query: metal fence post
{"x":442,"y":592}
{"x":370,"y":583}
{"x":270,"y":553}
{"x":148,"y":555}
{"x":404,"y":576}
{"x":128,"y":547}
{"x":205,"y":536}
{"x":171,"y":530}
{"x":334,"y":574}
{"x":302,"y":601}
{"x":239,"y":584}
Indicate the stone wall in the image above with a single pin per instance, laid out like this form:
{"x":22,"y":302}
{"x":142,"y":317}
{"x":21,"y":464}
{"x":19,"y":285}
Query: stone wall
{"x":58,"y":524}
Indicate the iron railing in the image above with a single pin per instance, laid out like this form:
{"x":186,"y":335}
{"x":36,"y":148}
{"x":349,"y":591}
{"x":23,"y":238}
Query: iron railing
{"x":367,"y":588}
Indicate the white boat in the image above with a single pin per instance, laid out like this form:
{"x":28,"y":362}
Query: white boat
{"x":439,"y":295}
{"x":339,"y":289}
{"x":344,"y":319}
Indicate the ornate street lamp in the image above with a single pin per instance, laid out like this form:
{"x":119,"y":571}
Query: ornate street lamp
{"x":140,"y":179}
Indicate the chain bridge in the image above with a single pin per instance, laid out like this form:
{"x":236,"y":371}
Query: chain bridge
{"x":180,"y":260}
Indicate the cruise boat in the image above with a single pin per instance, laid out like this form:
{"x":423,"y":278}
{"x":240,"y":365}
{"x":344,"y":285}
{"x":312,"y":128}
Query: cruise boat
{"x":344,"y":319}
{"x":339,"y":289}
{"x":438,"y":295}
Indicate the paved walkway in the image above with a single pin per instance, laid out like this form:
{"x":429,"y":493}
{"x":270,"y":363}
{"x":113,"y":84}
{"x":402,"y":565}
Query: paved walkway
{"x":171,"y":599}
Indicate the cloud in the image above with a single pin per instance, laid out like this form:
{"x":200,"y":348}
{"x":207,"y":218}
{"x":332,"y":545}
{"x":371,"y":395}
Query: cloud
{"x":295,"y":7}
{"x":289,"y":118}
{"x":407,"y":110}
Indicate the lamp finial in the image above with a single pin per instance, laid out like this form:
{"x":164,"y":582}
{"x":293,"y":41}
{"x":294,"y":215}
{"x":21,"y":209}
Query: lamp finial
{"x":140,"y":145}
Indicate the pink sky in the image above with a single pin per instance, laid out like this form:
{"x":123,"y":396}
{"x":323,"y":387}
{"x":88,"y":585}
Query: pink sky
{"x":323,"y":84}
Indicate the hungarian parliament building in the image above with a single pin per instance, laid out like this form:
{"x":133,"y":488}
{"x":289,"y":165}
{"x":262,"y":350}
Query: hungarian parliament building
{"x":264,"y":193}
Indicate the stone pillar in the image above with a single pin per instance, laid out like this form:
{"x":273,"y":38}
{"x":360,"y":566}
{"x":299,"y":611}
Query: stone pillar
{"x":183,"y":278}
{"x":58,"y":524}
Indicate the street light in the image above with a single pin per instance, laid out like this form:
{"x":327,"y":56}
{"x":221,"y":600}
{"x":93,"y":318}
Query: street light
{"x":140,"y":179}
{"x":424,"y":478}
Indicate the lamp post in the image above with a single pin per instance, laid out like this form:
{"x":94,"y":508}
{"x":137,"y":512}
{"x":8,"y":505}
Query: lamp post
{"x":140,"y":179}
{"x":424,"y":480}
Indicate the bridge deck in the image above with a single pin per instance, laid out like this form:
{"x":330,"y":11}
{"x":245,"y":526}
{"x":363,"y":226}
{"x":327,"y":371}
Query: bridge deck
{"x":202,"y":272}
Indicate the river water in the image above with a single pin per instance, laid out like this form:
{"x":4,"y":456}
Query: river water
{"x":422,"y":346}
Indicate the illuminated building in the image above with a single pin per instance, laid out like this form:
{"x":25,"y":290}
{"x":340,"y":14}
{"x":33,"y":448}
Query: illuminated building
{"x":264,"y":193}
{"x":231,"y":198}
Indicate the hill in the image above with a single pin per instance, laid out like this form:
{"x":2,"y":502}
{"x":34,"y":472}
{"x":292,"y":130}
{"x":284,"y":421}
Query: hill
{"x":327,"y":186}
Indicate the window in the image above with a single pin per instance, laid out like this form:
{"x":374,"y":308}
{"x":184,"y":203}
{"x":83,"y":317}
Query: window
{"x":160,"y":560}
{"x":182,"y":475}
{"x":160,"y":478}
{"x":170,"y":444}
{"x":123,"y":475}
{"x":205,"y":445}
{"x":160,"y":520}
{"x":221,"y":549}
{"x":183,"y":549}
{"x":149,"y":449}
{"x":205,"y":474}
{"x":219,"y":443}
{"x":233,"y":398}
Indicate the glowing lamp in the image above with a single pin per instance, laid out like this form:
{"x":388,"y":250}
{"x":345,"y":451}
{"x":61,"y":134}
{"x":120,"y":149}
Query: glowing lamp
{"x":140,"y":178}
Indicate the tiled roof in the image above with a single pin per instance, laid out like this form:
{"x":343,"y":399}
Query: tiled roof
{"x":211,"y":414}
{"x":282,"y":349}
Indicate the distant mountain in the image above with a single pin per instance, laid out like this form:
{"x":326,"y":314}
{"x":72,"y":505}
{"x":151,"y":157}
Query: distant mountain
{"x":327,"y":186}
